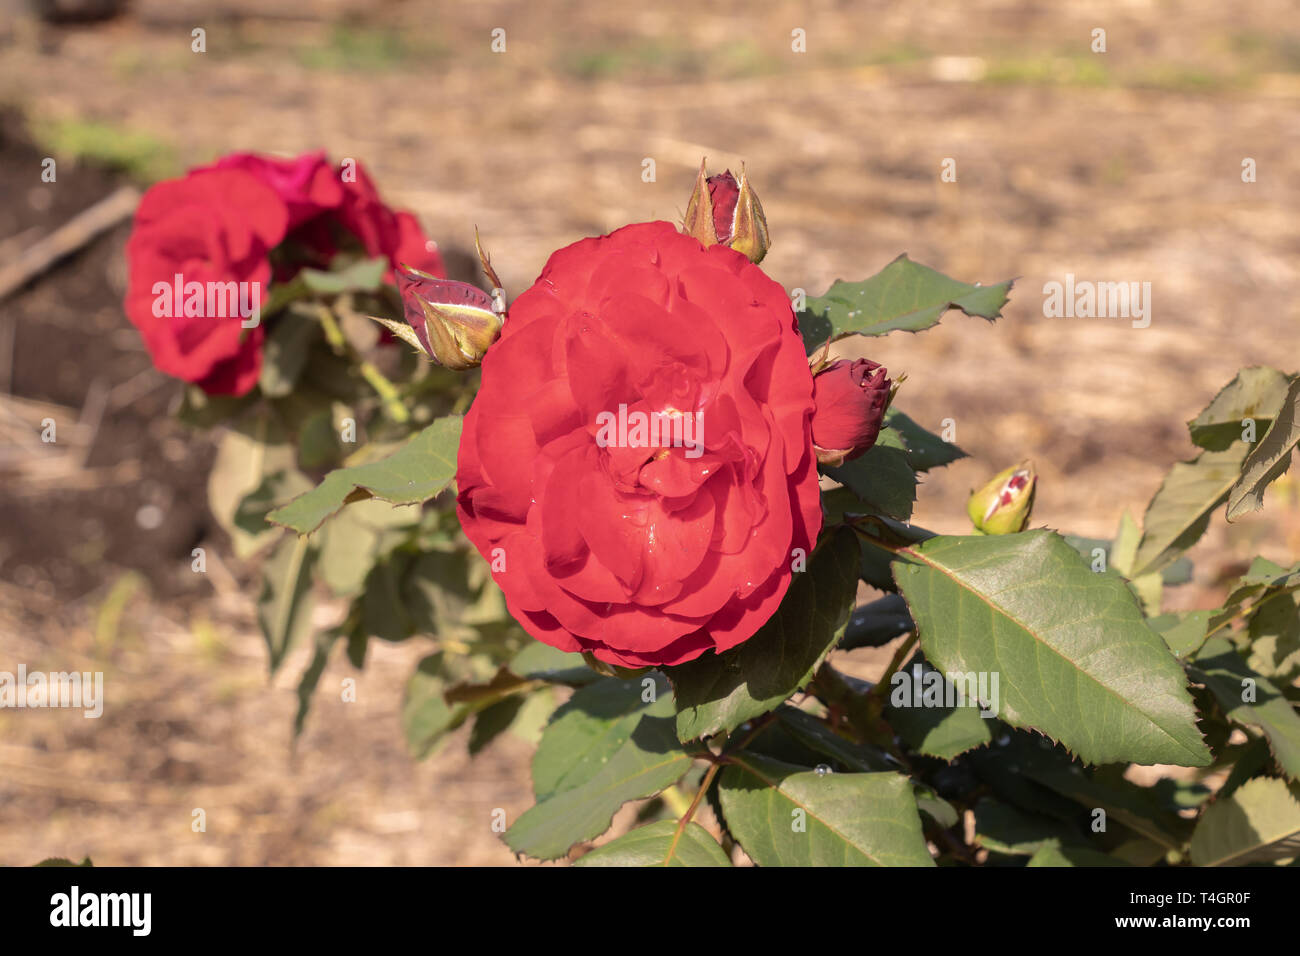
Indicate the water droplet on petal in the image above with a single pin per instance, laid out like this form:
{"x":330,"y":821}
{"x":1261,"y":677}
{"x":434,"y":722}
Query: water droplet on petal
{"x":822,"y":769}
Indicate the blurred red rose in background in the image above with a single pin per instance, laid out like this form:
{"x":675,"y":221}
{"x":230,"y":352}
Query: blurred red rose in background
{"x":643,"y":549}
{"x":332,"y":207}
{"x":212,"y":226}
{"x":227,"y":223}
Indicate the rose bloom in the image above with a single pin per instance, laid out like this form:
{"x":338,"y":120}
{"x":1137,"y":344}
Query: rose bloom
{"x":214,"y":225}
{"x":328,"y":213}
{"x":227,"y":223}
{"x":643,"y":554}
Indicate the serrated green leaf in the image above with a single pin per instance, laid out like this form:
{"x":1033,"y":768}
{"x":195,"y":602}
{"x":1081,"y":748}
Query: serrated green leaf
{"x":810,"y":732}
{"x":592,"y":726}
{"x":1075,"y":659}
{"x":925,"y":450}
{"x":647,"y":762}
{"x":1274,"y":632}
{"x":1003,"y":828}
{"x":659,"y":844}
{"x":1260,"y":823}
{"x":1090,"y":789}
{"x":1251,"y":760}
{"x":1264,"y":580}
{"x":785,"y":815}
{"x":936,"y":731}
{"x":1183,"y":631}
{"x":1180,"y":511}
{"x":903,"y":296}
{"x":1231,"y":680}
{"x":882,"y":479}
{"x":719,"y":692}
{"x":1255,"y":393}
{"x":1268,"y":459}
{"x":416,"y":472}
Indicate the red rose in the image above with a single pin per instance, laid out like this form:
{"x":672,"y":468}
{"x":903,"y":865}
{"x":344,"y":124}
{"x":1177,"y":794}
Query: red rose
{"x":211,"y":227}
{"x":643,"y":550}
{"x":328,"y":212}
{"x":308,"y":185}
{"x":851,"y":399}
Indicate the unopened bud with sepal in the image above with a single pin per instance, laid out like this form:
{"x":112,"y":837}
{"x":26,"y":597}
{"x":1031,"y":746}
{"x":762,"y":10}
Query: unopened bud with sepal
{"x":725,"y":211}
{"x":453,"y":323}
{"x":1003,"y":506}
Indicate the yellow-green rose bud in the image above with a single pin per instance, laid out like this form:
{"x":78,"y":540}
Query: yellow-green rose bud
{"x":1003,"y":505}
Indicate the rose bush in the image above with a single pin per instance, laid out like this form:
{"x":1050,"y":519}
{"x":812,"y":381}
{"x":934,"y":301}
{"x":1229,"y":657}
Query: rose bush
{"x":250,"y":218}
{"x":639,"y":552}
{"x":641,"y":458}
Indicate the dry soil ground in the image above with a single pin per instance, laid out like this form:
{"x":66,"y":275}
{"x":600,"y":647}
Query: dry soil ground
{"x":1124,"y":165}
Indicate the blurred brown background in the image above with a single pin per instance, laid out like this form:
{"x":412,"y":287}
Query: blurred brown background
{"x":1116,"y":166}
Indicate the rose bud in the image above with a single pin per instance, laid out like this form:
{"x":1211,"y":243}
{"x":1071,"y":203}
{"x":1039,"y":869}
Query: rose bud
{"x":850,"y":398}
{"x":1004,"y":504}
{"x":453,"y":323}
{"x":723,"y":211}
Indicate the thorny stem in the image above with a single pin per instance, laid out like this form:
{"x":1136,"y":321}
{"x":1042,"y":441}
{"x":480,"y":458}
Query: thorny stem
{"x":717,"y":761}
{"x":385,"y":389}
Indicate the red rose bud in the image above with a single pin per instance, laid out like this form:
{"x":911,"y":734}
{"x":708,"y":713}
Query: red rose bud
{"x":851,"y":398}
{"x":451,"y":322}
{"x":1003,"y":505}
{"x":725,"y":212}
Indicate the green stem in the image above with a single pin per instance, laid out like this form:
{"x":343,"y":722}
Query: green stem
{"x":387,"y":392}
